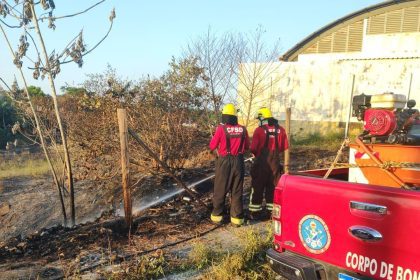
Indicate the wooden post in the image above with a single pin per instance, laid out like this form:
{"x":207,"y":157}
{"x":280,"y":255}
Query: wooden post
{"x":287,"y":152}
{"x":123,"y":128}
{"x":346,"y":131}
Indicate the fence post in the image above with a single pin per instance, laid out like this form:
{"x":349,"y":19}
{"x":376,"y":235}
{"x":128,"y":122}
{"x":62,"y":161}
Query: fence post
{"x":123,"y":128}
{"x":287,"y":152}
{"x":346,"y":130}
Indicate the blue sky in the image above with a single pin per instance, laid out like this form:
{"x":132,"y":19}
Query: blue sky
{"x":147,"y":34}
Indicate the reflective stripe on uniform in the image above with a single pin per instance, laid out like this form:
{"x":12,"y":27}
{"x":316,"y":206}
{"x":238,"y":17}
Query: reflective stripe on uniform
{"x":269,"y":206}
{"x":216,"y":219}
{"x":254,"y":207}
{"x":236,"y":221}
{"x":250,"y":196}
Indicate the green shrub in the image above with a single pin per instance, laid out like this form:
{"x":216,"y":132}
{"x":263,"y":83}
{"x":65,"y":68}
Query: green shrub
{"x":202,"y":255}
{"x":230,"y":267}
{"x":249,"y":261}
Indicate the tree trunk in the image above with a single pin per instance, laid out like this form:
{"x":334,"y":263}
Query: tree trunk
{"x":57,"y":113}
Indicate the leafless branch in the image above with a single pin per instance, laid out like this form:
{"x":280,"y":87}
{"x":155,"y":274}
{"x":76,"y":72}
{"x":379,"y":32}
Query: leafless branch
{"x":28,"y":138}
{"x":85,"y":53}
{"x":13,"y":8}
{"x":10,"y":26}
{"x":94,"y":47}
{"x":34,"y":43}
{"x":75,"y":14}
{"x":6,"y":85}
{"x":69,"y":44}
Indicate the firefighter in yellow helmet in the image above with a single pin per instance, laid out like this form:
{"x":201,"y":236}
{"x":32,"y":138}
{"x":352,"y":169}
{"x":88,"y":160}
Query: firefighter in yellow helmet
{"x":231,"y":141}
{"x":268,"y":142}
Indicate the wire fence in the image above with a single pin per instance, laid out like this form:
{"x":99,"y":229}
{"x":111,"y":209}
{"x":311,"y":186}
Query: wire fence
{"x":26,"y":150}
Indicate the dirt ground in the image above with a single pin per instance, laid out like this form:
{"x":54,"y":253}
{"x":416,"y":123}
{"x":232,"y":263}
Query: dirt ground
{"x":34,"y":244}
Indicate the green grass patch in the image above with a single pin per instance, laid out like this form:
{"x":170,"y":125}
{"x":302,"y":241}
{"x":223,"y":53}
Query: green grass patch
{"x":248,"y":262}
{"x":202,"y":255}
{"x":19,"y":166}
{"x":332,"y":139}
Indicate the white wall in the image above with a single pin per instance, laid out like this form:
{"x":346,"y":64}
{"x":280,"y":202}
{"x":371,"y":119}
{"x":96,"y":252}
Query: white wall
{"x":318,"y":86}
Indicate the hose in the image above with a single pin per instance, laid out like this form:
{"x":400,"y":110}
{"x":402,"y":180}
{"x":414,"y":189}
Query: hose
{"x":131,"y":255}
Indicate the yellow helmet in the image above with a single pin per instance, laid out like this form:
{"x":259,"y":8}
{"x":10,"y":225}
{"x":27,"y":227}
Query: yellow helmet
{"x":229,"y":109}
{"x":264,"y":113}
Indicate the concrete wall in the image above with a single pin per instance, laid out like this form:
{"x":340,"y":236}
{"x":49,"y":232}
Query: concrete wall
{"x":318,"y":86}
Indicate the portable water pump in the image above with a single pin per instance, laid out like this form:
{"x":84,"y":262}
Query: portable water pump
{"x":386,"y":120}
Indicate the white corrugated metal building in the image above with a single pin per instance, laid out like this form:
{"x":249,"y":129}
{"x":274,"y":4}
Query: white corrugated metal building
{"x":379,"y":46}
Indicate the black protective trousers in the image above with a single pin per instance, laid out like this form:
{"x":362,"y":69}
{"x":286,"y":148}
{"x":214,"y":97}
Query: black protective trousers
{"x":265,"y":172}
{"x":229,"y":177}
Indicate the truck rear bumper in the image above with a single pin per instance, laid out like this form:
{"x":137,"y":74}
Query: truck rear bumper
{"x":292,"y":266}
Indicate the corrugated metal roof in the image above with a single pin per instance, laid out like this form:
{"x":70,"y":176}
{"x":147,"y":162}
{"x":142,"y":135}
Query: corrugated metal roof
{"x":292,"y":53}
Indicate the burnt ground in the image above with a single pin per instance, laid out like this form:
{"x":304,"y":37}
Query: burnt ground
{"x":34,"y":244}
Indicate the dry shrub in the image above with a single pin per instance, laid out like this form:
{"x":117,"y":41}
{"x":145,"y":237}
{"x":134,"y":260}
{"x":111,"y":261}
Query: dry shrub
{"x":92,"y":130}
{"x":166,"y":113}
{"x":145,"y":267}
{"x":93,"y":138}
{"x":167,"y":134}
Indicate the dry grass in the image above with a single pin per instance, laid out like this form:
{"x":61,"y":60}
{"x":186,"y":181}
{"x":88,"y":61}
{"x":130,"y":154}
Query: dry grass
{"x":209,"y":261}
{"x":145,"y":267}
{"x":22,"y":166}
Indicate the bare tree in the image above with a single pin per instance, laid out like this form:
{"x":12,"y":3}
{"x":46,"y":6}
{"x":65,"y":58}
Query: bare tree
{"x":216,"y":55}
{"x":256,"y":72}
{"x":239,"y":67}
{"x":24,"y":15}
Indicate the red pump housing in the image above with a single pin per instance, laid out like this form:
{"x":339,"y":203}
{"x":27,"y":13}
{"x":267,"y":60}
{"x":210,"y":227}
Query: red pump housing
{"x":380,"y":122}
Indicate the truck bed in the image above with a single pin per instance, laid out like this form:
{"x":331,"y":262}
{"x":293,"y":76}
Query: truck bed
{"x":337,"y":173}
{"x":366,"y":229}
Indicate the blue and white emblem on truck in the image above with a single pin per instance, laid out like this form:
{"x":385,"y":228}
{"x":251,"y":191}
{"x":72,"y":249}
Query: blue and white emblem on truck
{"x":314,"y":234}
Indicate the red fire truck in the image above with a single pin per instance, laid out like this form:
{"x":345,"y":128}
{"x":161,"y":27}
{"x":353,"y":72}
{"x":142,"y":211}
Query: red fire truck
{"x":363,"y":221}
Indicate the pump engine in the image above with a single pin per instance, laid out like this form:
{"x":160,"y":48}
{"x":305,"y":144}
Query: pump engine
{"x":386,"y":120}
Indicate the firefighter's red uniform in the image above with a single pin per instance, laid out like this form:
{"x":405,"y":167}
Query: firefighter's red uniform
{"x":268,"y":142}
{"x":231,"y":141}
